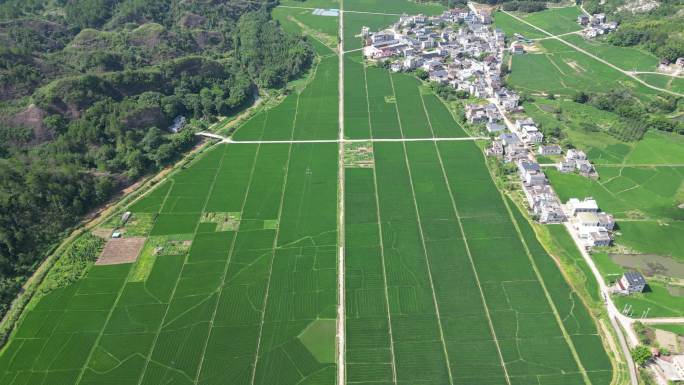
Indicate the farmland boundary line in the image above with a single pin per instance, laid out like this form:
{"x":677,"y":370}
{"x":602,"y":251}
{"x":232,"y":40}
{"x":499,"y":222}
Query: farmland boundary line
{"x":422,"y":239}
{"x":381,"y":241}
{"x":148,"y":358}
{"x":341,"y":323}
{"x":227,"y":265}
{"x":340,"y":9}
{"x":274,"y":247}
{"x":578,"y":49}
{"x":342,"y":140}
{"x":552,"y":304}
{"x":467,"y":247}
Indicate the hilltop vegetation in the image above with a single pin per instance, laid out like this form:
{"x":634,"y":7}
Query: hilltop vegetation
{"x":88,"y":89}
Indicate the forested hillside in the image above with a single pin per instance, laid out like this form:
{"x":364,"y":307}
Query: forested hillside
{"x":88,"y":89}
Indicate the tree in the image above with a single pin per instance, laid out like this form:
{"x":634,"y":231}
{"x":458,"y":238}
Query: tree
{"x":422,"y":74}
{"x":580,"y":97}
{"x":641,"y":354}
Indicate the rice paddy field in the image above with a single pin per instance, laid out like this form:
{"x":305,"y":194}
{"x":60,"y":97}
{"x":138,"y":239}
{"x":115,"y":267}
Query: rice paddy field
{"x":444,"y":279}
{"x":555,"y":21}
{"x":641,"y":182}
{"x":626,"y":58}
{"x":663,"y":81}
{"x":560,"y":69}
{"x":393,"y":6}
{"x":511,"y":25}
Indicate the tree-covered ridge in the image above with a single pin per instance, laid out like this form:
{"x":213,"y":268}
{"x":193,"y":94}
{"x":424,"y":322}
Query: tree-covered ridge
{"x":88,"y":89}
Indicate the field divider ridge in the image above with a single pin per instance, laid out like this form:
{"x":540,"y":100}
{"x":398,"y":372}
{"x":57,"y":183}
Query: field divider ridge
{"x":274,"y":247}
{"x":581,"y":50}
{"x":148,"y":358}
{"x":343,"y":140}
{"x":227,"y":265}
{"x":381,"y":240}
{"x":422,"y":240}
{"x":554,"y":310}
{"x":467,"y":248}
{"x":341,"y":284}
{"x":101,"y":333}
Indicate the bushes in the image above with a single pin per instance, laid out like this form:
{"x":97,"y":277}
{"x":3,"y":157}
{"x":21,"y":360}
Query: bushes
{"x":635,"y":118}
{"x":524,"y":6}
{"x":446,"y":92}
{"x":72,"y":264}
{"x":658,"y":35}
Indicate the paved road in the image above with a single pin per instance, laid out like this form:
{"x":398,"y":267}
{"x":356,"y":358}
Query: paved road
{"x":656,"y":73}
{"x":341,"y":290}
{"x":613,"y":313}
{"x":631,"y":367}
{"x":554,"y":36}
{"x":342,"y":140}
{"x":368,"y":13}
{"x":626,"y":73}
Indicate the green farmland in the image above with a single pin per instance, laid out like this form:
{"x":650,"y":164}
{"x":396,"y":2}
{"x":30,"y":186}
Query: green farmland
{"x":247,"y":252}
{"x":560,"y":69}
{"x":555,"y":21}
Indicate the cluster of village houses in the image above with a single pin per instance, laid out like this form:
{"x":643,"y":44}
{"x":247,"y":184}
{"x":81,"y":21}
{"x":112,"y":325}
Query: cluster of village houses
{"x":593,"y":227}
{"x":459,"y":48}
{"x":596,"y":25}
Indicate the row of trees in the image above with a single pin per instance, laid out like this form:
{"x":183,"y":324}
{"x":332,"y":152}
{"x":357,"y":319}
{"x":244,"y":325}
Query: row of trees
{"x":524,"y":6}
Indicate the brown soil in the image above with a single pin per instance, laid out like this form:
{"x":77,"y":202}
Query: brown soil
{"x":121,"y":250}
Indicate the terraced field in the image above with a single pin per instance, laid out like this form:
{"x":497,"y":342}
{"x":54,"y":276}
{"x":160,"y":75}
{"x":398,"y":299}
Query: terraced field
{"x":444,"y":280}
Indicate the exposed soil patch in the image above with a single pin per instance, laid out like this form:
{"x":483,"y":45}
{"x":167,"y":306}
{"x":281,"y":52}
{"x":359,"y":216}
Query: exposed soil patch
{"x":572,"y":64}
{"x":121,"y":250}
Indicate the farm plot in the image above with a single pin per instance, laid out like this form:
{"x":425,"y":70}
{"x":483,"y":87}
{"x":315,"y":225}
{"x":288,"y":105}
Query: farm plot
{"x":628,"y":59}
{"x":561,"y":69}
{"x":671,"y":83}
{"x":392,"y":101}
{"x":556,"y":21}
{"x":317,"y":109}
{"x":326,"y":25}
{"x":205,"y":316}
{"x":397,"y":7}
{"x":356,"y":120}
{"x":511,"y":25}
{"x":412,"y":244}
{"x":381,"y":103}
{"x":313,"y":112}
{"x":628,"y":192}
{"x":518,"y":289}
{"x":321,"y":31}
{"x":312,"y":3}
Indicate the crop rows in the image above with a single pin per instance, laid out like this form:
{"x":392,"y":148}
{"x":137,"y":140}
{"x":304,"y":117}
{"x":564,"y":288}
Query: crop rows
{"x":252,"y":305}
{"x":481,"y":305}
{"x":445,"y":280}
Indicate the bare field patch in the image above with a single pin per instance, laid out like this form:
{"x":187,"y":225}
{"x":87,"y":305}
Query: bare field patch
{"x":573,"y":64}
{"x":121,"y":250}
